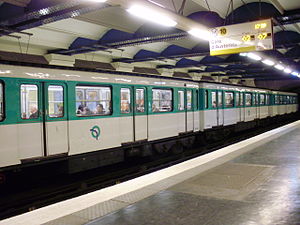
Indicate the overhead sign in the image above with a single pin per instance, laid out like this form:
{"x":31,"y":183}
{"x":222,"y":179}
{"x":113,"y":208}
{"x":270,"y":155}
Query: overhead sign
{"x":243,"y":37}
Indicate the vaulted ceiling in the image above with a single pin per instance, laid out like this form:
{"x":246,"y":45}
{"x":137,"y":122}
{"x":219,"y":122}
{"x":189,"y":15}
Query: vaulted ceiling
{"x":105,"y":32}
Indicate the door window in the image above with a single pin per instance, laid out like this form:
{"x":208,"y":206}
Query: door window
{"x":248,"y":97}
{"x":220,"y":99}
{"x":189,"y":100}
{"x":125,"y":100}
{"x":140,"y":100}
{"x":180,"y":100}
{"x":262,"y":99}
{"x":29,"y":101}
{"x":55,"y":101}
{"x":214,"y":99}
{"x":228,"y":99}
{"x":237,"y":99}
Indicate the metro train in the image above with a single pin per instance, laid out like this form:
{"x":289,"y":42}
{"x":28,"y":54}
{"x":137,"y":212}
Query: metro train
{"x":89,"y":119}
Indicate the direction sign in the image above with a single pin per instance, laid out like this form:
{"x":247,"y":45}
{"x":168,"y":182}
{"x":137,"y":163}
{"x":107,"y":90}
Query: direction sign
{"x":243,"y":37}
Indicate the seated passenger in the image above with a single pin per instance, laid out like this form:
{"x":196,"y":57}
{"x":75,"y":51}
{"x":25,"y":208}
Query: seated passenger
{"x":214,"y":105}
{"x":60,"y":111}
{"x":99,"y":109}
{"x":80,"y":109}
{"x":34,"y":114}
{"x":86,"y":111}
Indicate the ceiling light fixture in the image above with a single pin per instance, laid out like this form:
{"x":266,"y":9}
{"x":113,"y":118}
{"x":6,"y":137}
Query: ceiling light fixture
{"x":97,"y":1}
{"x":287,"y":70}
{"x":279,"y":67}
{"x":151,"y":15}
{"x":295,"y":73}
{"x":254,"y":56}
{"x":244,"y":54}
{"x":198,"y":33}
{"x":268,"y":62}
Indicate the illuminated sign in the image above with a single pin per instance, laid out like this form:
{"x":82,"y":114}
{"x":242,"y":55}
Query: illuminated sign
{"x":243,"y":37}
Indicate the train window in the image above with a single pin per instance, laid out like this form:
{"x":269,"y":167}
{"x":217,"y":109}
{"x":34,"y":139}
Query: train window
{"x":29,"y":101}
{"x":220,"y":99}
{"x":267,"y":99}
{"x":281,"y":100}
{"x":276,"y":99}
{"x":180,"y":100}
{"x":288,"y":100}
{"x":189,"y":100}
{"x":229,"y":99}
{"x":214,"y":99}
{"x":140,"y":100}
{"x":125,"y":100}
{"x":93,"y":101}
{"x":262,"y":99}
{"x":248,"y":98}
{"x":55,"y":101}
{"x":162,"y":100}
{"x":237,"y":99}
{"x":242,"y":100}
{"x":256,"y":99}
{"x":1,"y":102}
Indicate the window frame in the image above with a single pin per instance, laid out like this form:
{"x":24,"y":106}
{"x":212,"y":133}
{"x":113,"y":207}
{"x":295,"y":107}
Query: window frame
{"x":144,"y":98}
{"x":2,"y":83}
{"x":99,"y":86}
{"x":179,"y":100}
{"x":38,"y":101}
{"x":63,"y":101}
{"x":260,"y":103}
{"x":216,"y":99}
{"x":251,"y":97}
{"x":192,"y":100}
{"x":172,"y":99}
{"x":233,"y":99}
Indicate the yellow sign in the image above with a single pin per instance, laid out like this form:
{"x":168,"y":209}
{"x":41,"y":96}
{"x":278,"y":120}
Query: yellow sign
{"x":260,"y":26}
{"x":243,"y":37}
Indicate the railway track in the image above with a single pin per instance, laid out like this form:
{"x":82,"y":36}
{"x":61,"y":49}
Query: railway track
{"x":27,"y":197}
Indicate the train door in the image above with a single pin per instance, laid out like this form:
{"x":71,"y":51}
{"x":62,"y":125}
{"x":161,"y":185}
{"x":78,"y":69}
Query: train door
{"x":189,"y":111}
{"x":140,"y":114}
{"x":220,"y":110}
{"x":55,"y":118}
{"x":30,"y":121}
{"x":42,"y":119}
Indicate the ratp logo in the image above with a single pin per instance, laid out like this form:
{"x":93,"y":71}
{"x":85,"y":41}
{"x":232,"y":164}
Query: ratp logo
{"x":95,"y":132}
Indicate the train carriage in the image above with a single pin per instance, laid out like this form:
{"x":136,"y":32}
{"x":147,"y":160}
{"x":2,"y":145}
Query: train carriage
{"x":99,"y":117}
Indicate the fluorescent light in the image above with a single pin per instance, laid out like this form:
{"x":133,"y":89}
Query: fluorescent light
{"x":268,"y":62}
{"x":279,"y":67}
{"x":254,"y":56}
{"x":151,"y":15}
{"x":287,"y":70}
{"x":295,"y":73}
{"x":198,"y":33}
{"x":97,"y":0}
{"x":156,"y":3}
{"x":243,"y":54}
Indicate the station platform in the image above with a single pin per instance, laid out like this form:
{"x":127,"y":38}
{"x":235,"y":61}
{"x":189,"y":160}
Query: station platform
{"x":256,"y":181}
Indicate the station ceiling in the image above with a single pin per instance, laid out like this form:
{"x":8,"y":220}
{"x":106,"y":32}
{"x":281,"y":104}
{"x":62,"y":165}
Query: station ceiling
{"x":107,"y":33}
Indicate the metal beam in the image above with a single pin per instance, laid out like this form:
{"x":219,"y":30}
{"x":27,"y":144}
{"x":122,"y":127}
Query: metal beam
{"x":21,"y":3}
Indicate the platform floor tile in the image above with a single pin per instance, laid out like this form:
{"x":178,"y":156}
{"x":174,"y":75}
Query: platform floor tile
{"x":261,"y":187}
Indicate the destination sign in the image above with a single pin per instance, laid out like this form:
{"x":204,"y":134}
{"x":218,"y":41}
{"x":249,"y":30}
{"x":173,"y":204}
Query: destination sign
{"x":243,"y":37}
